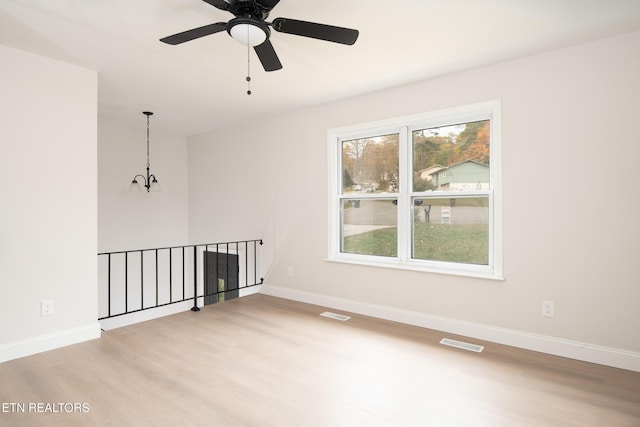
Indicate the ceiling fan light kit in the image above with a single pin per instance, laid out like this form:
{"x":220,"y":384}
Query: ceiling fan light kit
{"x":248,"y":32}
{"x":250,"y":28}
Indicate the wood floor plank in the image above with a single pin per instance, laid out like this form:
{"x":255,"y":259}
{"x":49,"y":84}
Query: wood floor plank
{"x":265,"y":361}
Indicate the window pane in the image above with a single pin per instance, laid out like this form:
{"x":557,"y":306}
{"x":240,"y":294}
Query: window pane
{"x":451,"y":158}
{"x":369,"y":227}
{"x":451,"y":229}
{"x":370,"y":165}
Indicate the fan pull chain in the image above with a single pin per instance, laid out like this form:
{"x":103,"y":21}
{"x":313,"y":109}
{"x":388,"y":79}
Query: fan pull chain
{"x":248,"y":65}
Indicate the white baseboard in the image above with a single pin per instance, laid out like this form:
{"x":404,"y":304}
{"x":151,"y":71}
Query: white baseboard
{"x":143,"y":316}
{"x":167,"y":310}
{"x":39,"y":344}
{"x":545,"y":344}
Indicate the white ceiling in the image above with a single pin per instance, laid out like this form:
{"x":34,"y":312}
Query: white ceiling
{"x":200,"y":85}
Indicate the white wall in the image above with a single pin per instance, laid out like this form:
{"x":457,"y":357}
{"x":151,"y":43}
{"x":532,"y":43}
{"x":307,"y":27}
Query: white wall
{"x":565,"y":114}
{"x":129,"y":220}
{"x":48,"y":203}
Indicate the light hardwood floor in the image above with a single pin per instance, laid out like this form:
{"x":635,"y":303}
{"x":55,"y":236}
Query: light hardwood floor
{"x":264,"y":361}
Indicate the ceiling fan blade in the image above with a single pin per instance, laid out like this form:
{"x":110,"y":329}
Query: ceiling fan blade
{"x":268,"y":57}
{"x":185,"y":36}
{"x":317,"y":31}
{"x":220,"y":4}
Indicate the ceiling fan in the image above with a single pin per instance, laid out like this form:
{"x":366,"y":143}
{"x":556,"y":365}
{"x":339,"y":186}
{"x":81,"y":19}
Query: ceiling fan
{"x":250,"y":28}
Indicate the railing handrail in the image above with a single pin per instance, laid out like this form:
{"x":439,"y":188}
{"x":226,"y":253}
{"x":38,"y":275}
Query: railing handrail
{"x":180,"y":246}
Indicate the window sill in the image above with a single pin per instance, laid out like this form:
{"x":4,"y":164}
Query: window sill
{"x":413,"y":266}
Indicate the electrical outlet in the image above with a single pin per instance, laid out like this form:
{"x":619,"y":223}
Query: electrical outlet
{"x":46,"y":307}
{"x":548,"y":309}
{"x":290,"y":271}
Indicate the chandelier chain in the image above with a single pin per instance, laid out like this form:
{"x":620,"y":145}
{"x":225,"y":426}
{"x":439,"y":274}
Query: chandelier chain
{"x":148,"y":164}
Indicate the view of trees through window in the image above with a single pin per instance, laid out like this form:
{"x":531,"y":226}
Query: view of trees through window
{"x":436,"y":149}
{"x":448,"y":194}
{"x":370,"y":164}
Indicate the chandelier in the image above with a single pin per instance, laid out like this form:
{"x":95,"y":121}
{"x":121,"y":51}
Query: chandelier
{"x":150,"y":181}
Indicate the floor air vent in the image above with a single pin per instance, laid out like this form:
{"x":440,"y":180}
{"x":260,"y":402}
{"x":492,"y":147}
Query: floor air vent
{"x":335,"y":316}
{"x":462,"y":345}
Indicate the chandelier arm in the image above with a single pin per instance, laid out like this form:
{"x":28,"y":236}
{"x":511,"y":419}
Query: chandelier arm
{"x":141,"y":176}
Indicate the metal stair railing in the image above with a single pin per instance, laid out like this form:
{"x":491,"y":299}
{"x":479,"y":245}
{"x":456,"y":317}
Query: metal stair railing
{"x":136,"y":280}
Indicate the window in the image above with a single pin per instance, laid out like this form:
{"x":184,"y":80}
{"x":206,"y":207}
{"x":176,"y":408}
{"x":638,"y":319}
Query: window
{"x":419,"y":192}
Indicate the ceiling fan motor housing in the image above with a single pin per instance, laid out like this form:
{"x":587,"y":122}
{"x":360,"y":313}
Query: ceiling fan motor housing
{"x":250,"y":9}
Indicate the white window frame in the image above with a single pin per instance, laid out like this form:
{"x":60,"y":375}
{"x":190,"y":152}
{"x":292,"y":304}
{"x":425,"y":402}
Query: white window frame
{"x":405,"y":126}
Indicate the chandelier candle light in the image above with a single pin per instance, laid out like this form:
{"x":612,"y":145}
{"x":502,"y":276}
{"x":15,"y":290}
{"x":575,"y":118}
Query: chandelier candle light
{"x":150,"y":181}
